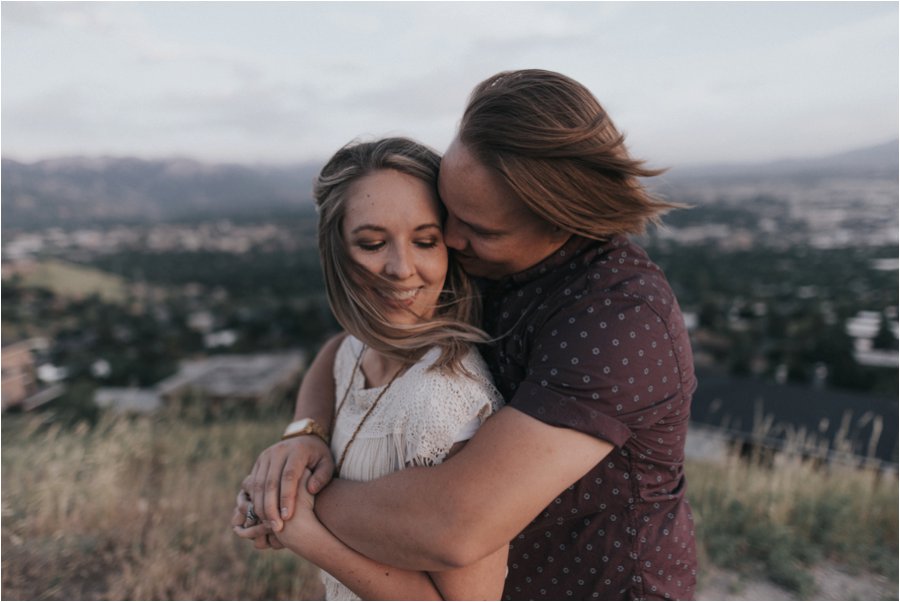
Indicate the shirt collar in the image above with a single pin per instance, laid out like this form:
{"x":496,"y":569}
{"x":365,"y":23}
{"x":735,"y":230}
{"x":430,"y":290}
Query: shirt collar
{"x":575,"y":246}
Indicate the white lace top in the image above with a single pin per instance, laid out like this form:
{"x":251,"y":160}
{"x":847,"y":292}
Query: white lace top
{"x":416,"y":422}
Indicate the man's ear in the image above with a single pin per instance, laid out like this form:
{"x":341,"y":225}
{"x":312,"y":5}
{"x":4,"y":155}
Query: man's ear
{"x":560,"y":235}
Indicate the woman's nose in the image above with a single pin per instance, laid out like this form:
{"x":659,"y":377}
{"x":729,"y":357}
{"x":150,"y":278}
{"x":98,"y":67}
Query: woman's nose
{"x":399,"y":264}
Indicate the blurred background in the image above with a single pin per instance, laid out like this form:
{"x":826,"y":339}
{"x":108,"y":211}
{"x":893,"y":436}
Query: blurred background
{"x":161,"y":293}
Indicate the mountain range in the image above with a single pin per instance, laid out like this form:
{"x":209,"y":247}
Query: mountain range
{"x":880,"y":160}
{"x":79,"y":191}
{"x":83,"y":190}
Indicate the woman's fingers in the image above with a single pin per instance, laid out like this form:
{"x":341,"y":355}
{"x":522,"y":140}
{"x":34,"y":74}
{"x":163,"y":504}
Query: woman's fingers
{"x":252,"y":531}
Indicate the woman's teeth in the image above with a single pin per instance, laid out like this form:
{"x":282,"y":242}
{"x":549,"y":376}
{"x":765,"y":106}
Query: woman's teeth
{"x":404,"y":295}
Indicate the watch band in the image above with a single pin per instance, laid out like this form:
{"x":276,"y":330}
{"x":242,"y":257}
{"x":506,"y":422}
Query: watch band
{"x":306,"y":426}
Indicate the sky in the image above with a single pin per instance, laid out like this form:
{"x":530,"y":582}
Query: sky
{"x":259,"y":82}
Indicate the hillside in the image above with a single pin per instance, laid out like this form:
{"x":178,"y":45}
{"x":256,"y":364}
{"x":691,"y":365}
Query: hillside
{"x":879,"y":161}
{"x":82,"y":191}
{"x":79,"y":191}
{"x":144,"y":509}
{"x":70,"y":280}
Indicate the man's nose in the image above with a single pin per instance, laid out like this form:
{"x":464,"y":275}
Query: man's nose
{"x":452,"y":236}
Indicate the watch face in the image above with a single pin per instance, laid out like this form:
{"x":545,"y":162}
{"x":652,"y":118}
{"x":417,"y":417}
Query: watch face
{"x":298,"y":426}
{"x":305,"y":426}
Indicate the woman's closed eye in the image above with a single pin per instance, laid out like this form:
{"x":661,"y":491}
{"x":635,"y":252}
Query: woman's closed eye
{"x":427,"y":243}
{"x":377,"y":245}
{"x":370,"y":245}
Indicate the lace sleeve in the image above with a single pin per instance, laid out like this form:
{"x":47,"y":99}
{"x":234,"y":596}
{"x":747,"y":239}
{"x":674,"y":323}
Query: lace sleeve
{"x":446,"y":408}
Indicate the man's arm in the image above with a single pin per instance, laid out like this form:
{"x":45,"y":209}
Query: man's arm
{"x":458,"y":512}
{"x":372,"y":580}
{"x":272,"y":484}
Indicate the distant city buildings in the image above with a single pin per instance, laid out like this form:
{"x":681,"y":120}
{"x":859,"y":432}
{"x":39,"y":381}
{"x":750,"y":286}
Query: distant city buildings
{"x":864,"y":329}
{"x":218,"y":236}
{"x":821,"y":212}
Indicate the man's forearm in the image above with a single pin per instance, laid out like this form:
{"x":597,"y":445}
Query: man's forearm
{"x":367,"y":578}
{"x":367,"y":517}
{"x":423,"y":518}
{"x":451,"y":515}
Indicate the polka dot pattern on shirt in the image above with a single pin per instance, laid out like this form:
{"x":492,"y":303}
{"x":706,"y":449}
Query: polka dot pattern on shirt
{"x":602,"y":349}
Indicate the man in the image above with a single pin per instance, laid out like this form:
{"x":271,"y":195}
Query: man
{"x":582,"y":471}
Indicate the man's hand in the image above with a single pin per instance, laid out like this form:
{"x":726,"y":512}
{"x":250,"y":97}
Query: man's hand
{"x":273,"y":483}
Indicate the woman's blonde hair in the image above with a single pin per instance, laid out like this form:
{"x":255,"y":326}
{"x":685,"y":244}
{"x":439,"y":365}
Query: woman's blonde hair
{"x":551,"y":140}
{"x":351,"y":287}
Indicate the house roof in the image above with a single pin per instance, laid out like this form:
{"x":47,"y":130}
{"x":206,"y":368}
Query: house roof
{"x":240,"y":376}
{"x":813,"y":419}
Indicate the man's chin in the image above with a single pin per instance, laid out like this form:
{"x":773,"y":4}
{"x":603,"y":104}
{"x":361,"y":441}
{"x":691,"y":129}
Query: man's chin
{"x":476,"y":270}
{"x":470,"y":265}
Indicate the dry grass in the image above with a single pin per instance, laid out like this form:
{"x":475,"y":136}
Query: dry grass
{"x":135,"y":509}
{"x":140,"y":509}
{"x":781,"y":520}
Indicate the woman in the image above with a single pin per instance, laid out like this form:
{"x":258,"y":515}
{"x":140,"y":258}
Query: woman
{"x":412,"y":389}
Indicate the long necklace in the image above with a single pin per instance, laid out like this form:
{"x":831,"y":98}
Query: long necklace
{"x":368,"y":413}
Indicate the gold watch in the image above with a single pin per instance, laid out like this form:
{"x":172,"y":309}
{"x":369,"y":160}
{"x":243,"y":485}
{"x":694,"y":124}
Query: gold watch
{"x":305,"y":426}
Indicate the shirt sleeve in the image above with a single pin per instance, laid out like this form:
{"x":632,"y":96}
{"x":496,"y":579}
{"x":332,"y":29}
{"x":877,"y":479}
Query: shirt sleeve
{"x":606,"y":366}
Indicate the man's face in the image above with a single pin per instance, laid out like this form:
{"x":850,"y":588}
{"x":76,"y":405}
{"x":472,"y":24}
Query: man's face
{"x":493,"y":232}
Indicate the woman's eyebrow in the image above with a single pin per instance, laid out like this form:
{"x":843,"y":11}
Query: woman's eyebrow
{"x":383,"y":229}
{"x":368,"y":227}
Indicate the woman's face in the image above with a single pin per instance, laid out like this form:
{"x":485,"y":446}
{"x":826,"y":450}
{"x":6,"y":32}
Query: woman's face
{"x":392,"y":227}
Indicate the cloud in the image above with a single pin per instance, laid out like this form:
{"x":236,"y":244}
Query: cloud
{"x":277,"y":80}
{"x":97,"y":18}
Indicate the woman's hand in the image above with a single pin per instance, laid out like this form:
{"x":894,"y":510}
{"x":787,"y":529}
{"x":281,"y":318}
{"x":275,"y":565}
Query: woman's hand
{"x":246,"y":524}
{"x":303,"y":530}
{"x":300,"y":533}
{"x":275,"y":478}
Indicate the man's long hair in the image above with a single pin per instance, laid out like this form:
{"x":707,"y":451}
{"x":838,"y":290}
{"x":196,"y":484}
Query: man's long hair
{"x":553,"y":142}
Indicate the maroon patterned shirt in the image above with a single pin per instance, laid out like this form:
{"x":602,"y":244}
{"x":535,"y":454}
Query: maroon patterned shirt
{"x":593,"y":340}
